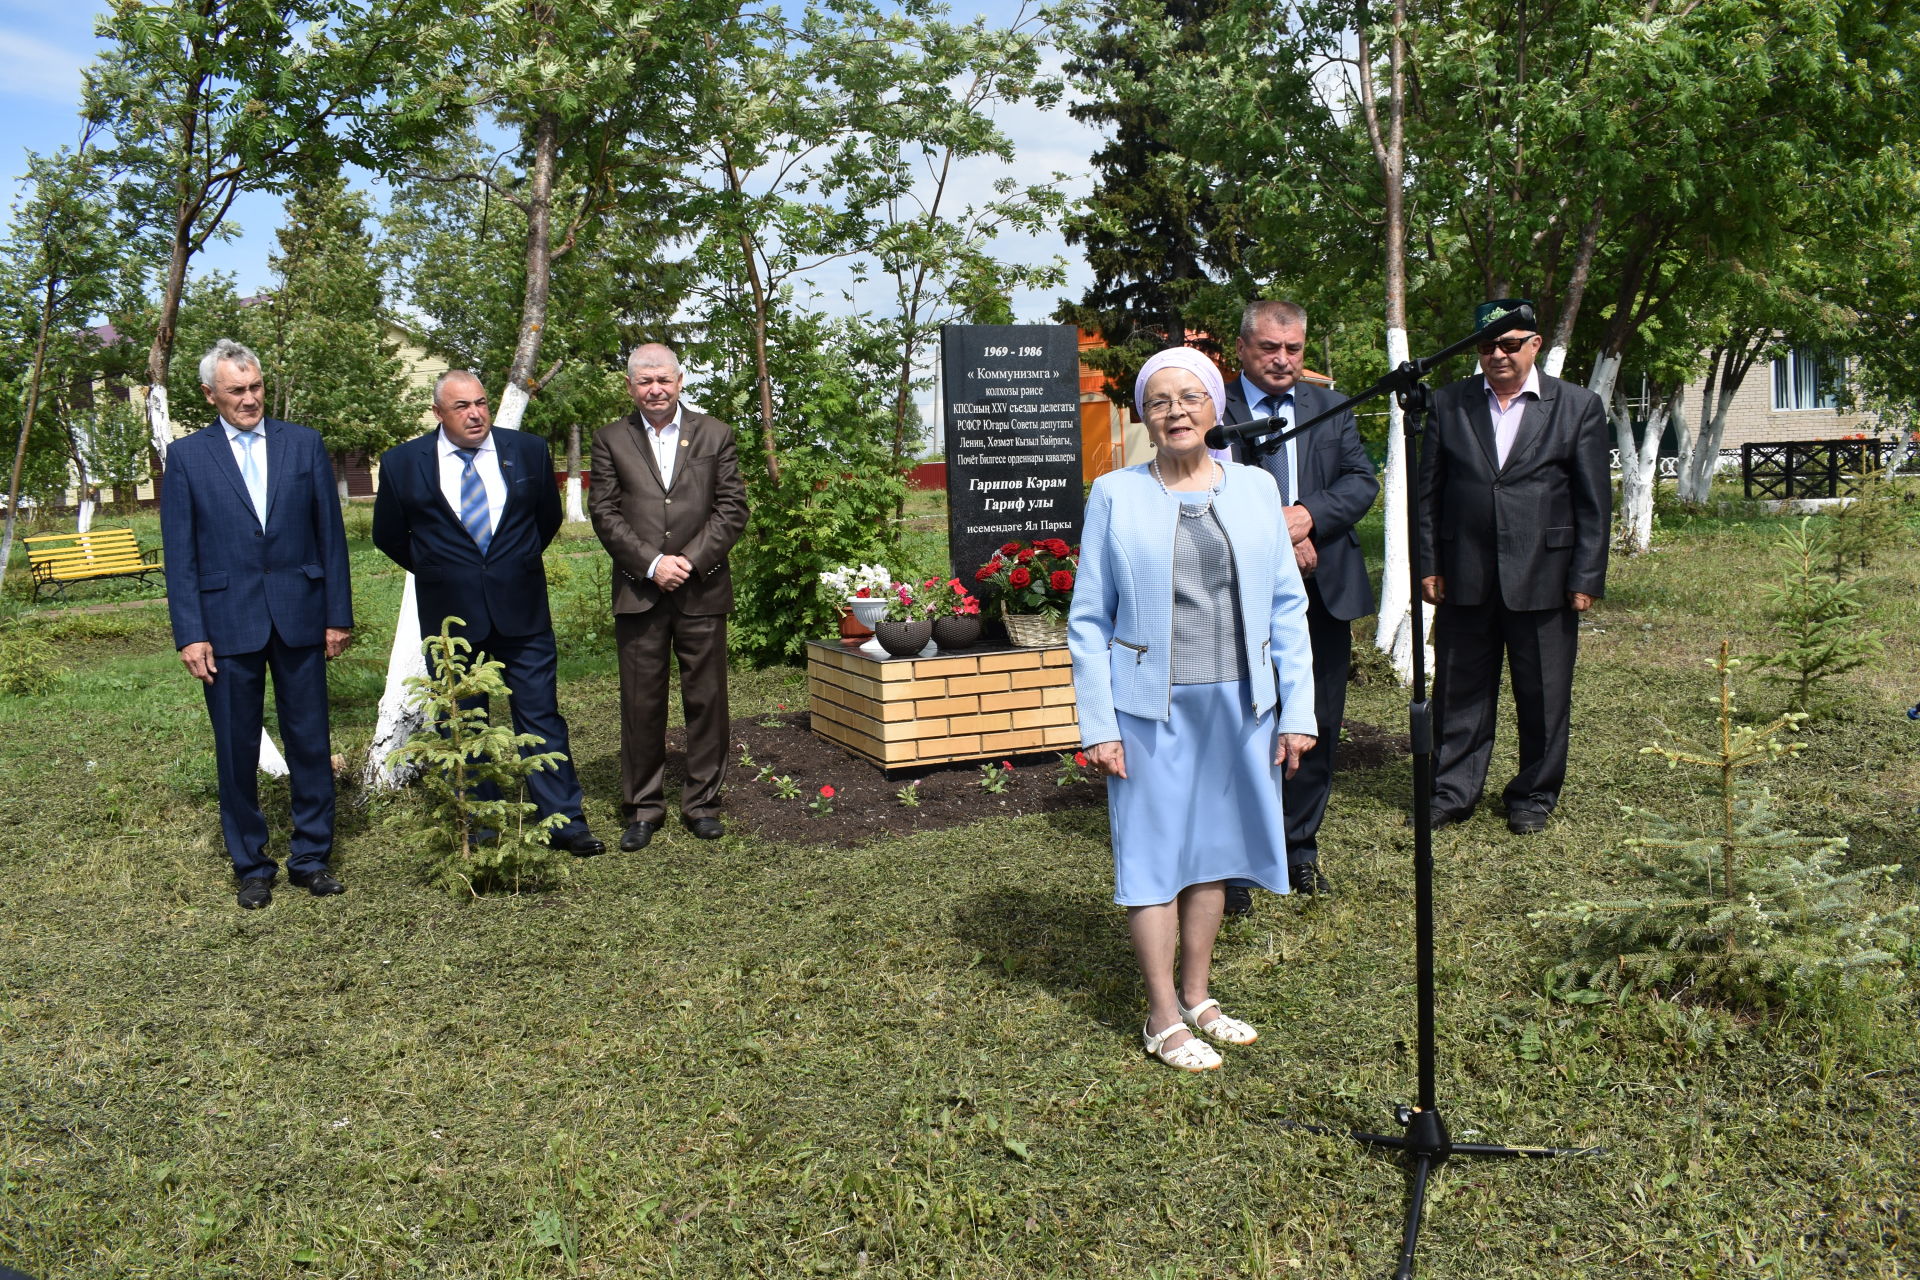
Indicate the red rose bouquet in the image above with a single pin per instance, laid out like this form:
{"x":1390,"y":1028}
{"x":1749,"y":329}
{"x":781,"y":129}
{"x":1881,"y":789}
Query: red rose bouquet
{"x":1032,"y":577}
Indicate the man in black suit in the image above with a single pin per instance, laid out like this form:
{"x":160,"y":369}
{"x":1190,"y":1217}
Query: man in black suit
{"x":1327,"y":483}
{"x":256,"y":558}
{"x":467,"y":510}
{"x":1515,"y":509}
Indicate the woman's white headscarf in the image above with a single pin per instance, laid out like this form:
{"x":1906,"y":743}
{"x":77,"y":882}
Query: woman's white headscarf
{"x":1200,"y":367}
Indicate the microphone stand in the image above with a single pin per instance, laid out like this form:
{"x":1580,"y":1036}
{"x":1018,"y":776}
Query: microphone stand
{"x":1425,"y":1142}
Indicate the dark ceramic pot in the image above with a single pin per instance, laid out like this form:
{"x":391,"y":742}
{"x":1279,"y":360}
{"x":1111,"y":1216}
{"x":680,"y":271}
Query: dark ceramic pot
{"x":956,"y":632}
{"x":903,"y":639}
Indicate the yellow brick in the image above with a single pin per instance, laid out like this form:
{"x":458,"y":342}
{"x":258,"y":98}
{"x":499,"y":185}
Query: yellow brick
{"x":949,"y":748}
{"x":906,"y":730}
{"x":1061,"y":695}
{"x":1056,"y":657}
{"x":947,"y":706}
{"x":847,"y":680}
{"x":897,"y":753}
{"x":919,"y":689}
{"x":894,"y":670}
{"x":1062,"y":735}
{"x":1010,"y":701}
{"x":928,"y":667}
{"x":994,"y":683}
{"x":982,"y":723}
{"x":1039,"y":677}
{"x":1020,"y":660}
{"x":1017,"y":740}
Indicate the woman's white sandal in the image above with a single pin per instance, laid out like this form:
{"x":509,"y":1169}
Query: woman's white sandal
{"x":1224,"y":1029}
{"x":1191,"y":1054}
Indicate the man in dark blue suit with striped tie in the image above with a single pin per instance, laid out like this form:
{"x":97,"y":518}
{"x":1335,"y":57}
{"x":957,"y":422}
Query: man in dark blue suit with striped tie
{"x":468,"y":510}
{"x":256,"y":582}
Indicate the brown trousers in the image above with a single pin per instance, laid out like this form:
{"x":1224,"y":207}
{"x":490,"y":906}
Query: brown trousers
{"x":699,"y":643}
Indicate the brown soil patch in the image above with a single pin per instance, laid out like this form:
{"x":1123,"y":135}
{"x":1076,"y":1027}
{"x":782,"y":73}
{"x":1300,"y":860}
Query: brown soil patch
{"x":866,"y":803}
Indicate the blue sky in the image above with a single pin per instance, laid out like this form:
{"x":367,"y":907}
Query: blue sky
{"x":45,"y":43}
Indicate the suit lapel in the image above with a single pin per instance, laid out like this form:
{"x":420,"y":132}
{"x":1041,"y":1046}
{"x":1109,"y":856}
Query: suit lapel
{"x":1533,"y":425}
{"x":1480,"y":422}
{"x":223,"y":463}
{"x":643,"y":438}
{"x":505,"y":448}
{"x":429,"y":475}
{"x":274,"y":439}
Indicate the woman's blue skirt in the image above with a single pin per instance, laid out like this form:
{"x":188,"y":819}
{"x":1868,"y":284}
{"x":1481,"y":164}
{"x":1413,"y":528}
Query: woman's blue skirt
{"x":1201,"y":799}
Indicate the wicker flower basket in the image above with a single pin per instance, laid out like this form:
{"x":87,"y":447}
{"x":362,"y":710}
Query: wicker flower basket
{"x":1033,"y":631}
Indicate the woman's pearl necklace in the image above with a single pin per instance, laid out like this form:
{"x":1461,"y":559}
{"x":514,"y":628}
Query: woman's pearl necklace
{"x":1187,"y":509}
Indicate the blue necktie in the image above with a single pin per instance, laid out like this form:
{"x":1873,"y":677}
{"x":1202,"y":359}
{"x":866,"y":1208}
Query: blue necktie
{"x":473,"y":502}
{"x":1270,"y":407}
{"x":250,"y":472}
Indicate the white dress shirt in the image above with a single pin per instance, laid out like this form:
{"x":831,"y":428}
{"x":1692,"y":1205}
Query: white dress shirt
{"x":259,"y":434}
{"x":666,"y":445}
{"x":1506,"y":422}
{"x":1283,"y":409}
{"x":486,"y":462}
{"x":666,"y":449}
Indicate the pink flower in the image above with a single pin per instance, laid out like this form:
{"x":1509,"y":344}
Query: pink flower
{"x":827,"y":792}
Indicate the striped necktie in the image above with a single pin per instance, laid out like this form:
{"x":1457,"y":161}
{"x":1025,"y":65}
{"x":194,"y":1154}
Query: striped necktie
{"x":1270,"y":407}
{"x":473,"y":502}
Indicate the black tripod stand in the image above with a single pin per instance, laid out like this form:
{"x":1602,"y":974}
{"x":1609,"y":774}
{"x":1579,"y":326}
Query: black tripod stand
{"x":1425,"y":1141}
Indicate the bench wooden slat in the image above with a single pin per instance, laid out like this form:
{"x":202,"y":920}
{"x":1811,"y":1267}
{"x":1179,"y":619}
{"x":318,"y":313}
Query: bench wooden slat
{"x":58,"y":559}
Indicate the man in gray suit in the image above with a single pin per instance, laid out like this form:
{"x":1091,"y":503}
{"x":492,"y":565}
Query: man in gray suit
{"x":1327,"y":483}
{"x":1515,"y":508}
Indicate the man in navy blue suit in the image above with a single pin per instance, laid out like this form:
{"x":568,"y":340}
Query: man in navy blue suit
{"x":1328,"y":484}
{"x":256,"y":564}
{"x":467,"y":510}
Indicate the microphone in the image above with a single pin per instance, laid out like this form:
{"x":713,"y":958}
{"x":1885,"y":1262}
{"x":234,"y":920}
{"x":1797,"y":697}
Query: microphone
{"x":1219,"y":435}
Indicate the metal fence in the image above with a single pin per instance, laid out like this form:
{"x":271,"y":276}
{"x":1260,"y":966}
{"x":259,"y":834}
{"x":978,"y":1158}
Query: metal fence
{"x":1809,"y":468}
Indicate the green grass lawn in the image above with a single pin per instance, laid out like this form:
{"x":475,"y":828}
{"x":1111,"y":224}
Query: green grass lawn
{"x":920,"y":1057}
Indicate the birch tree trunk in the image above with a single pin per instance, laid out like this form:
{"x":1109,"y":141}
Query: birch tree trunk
{"x":575,"y":511}
{"x":1393,"y":632}
{"x":1640,"y":467}
{"x":26,"y":426}
{"x":398,"y":717}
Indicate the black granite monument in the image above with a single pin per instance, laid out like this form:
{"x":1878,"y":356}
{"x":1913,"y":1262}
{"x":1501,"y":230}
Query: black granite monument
{"x":1012,"y":396}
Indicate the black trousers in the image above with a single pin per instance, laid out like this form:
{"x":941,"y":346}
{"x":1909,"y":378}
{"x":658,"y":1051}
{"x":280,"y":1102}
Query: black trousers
{"x":1469,"y":642}
{"x":1303,"y":797}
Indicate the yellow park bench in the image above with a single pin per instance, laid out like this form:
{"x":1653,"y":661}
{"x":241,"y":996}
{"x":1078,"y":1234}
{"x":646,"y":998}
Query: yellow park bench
{"x":59,"y":560}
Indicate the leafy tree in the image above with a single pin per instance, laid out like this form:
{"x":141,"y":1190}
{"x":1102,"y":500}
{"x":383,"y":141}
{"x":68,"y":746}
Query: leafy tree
{"x":1148,"y":233}
{"x":60,"y":261}
{"x":332,"y":365}
{"x":200,"y":100}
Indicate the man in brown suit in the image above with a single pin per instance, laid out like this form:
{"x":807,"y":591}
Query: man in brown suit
{"x":668,"y":504}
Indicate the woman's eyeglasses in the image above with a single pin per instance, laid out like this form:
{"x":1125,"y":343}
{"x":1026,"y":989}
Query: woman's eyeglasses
{"x":1161,"y":406}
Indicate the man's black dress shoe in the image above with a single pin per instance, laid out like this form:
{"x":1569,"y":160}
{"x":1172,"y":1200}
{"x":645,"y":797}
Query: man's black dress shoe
{"x":255,"y":892}
{"x":637,"y":835}
{"x":579,"y":842}
{"x":1526,"y":822}
{"x":1239,"y":900}
{"x":1441,"y":818}
{"x":1306,"y":878}
{"x":706,"y":828}
{"x":318,"y":883}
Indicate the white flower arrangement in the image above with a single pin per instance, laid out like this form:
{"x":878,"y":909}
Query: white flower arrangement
{"x":849,"y":581}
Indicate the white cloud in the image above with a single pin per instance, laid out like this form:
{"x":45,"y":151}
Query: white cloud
{"x":32,"y":68}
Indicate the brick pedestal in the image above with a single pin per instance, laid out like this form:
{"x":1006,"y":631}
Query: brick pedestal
{"x":971,"y":705}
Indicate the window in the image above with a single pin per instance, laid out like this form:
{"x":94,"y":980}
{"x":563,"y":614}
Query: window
{"x":1803,"y":379}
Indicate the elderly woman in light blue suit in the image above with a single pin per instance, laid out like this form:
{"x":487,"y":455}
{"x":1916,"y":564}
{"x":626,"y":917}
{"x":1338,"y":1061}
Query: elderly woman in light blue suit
{"x":1194,"y":679}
